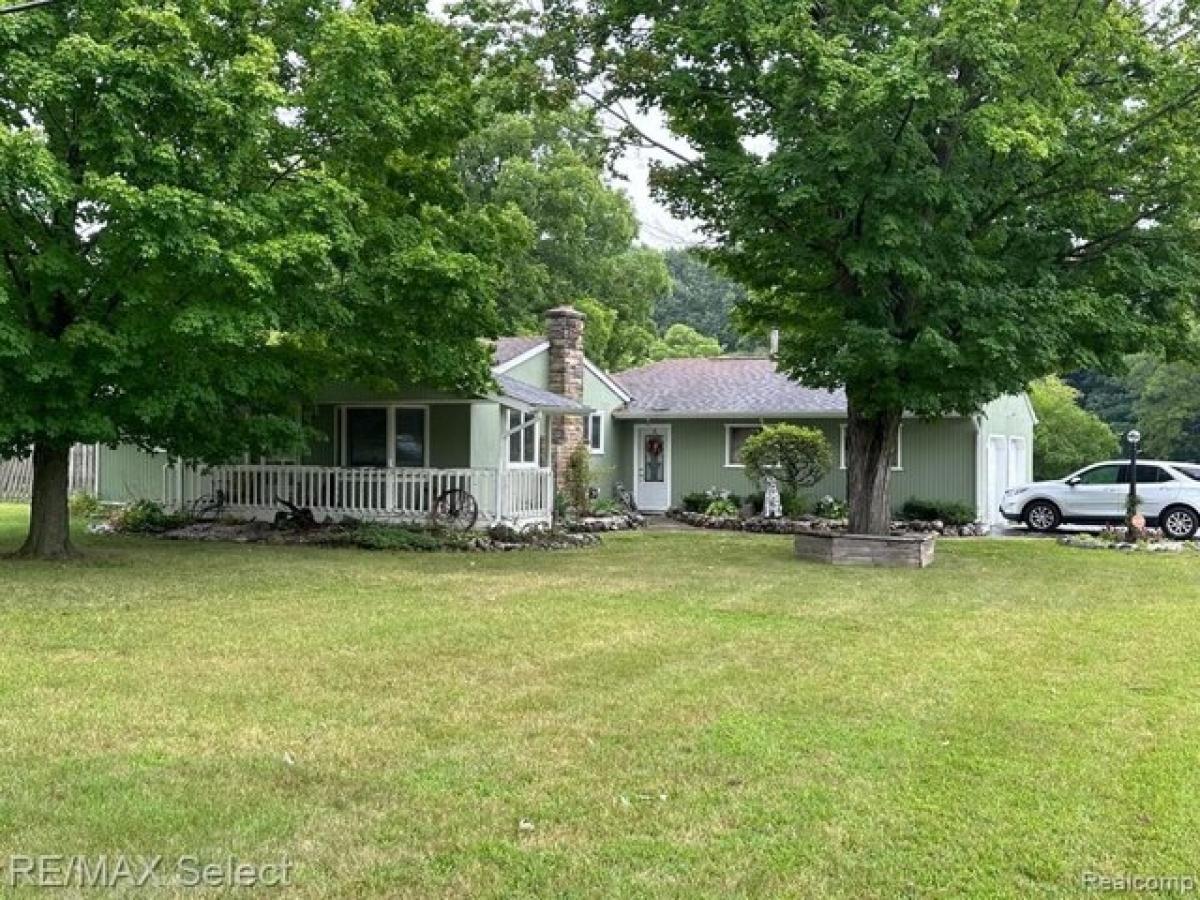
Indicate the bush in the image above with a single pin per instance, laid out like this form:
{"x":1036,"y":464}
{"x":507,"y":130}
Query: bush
{"x":606,"y":507}
{"x":85,"y":506}
{"x":392,"y":537}
{"x":797,"y":457}
{"x":830,"y":508}
{"x":577,"y":481}
{"x":794,"y":505}
{"x":946,"y":511}
{"x":724,"y":507}
{"x":145,"y":517}
{"x":700,"y":501}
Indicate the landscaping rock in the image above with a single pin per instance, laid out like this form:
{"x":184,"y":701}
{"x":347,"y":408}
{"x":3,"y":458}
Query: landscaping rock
{"x":817,"y":525}
{"x":596,"y":524}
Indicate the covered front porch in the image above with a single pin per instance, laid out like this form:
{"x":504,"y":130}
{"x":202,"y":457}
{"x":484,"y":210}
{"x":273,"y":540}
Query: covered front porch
{"x":391,"y":459}
{"x":519,"y":497}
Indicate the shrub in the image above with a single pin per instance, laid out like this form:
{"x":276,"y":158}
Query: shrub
{"x":145,"y":517}
{"x":577,"y":480}
{"x":606,"y":507}
{"x":946,"y":511}
{"x":392,"y":537}
{"x":700,"y":501}
{"x":794,"y":505}
{"x":830,"y":508}
{"x":85,"y":506}
{"x":724,"y":507}
{"x":797,"y":457}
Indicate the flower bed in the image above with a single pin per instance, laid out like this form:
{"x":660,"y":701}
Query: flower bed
{"x":817,"y":525}
{"x":347,"y":533}
{"x":1110,"y":539}
{"x":594,"y":524}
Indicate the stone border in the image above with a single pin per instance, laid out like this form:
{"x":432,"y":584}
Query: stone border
{"x":815,"y":525}
{"x":909,"y":552}
{"x":594,"y":524}
{"x":1158,"y":545}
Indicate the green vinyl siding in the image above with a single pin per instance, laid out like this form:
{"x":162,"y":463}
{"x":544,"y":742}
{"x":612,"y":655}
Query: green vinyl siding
{"x":535,"y":371}
{"x":938,"y":458}
{"x":600,"y":397}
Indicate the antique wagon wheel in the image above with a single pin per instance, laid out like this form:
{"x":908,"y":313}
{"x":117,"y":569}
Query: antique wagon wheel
{"x":456,"y":509}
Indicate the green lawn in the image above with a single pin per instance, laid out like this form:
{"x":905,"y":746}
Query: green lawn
{"x":677,"y":715}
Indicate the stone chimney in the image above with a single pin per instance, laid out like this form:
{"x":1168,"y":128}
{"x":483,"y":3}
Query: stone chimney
{"x":564,"y":328}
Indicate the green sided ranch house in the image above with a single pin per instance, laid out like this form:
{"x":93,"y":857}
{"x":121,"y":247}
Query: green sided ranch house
{"x":662,"y":431}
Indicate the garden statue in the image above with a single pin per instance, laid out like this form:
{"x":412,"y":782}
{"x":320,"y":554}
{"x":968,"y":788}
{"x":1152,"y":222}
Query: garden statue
{"x":772,"y":503}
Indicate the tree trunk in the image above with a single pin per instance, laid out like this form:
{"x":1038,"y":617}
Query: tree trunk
{"x":870,"y":449}
{"x":49,"y":519}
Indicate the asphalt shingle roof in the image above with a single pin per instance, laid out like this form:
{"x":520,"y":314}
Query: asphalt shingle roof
{"x":509,"y":348}
{"x":733,"y":385}
{"x":526,"y":393}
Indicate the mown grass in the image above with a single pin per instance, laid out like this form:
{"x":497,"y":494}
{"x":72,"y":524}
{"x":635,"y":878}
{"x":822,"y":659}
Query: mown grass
{"x":677,"y":715}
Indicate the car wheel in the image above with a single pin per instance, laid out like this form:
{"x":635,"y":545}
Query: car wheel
{"x":1179,"y":523}
{"x":1042,"y":515}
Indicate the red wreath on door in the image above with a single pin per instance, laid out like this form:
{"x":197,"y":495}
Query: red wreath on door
{"x":654,"y":446}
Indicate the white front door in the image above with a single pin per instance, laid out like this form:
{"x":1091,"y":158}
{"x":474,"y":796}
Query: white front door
{"x":652,"y":467}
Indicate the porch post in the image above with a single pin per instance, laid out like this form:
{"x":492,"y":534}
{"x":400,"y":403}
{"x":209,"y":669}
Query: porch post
{"x":501,"y":466}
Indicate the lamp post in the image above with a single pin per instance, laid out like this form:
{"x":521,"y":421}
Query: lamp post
{"x":1132,"y":526}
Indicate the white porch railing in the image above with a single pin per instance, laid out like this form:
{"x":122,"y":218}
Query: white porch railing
{"x":518,"y":496}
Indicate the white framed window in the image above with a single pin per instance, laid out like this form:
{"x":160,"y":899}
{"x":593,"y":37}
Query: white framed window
{"x":593,"y":432}
{"x":524,"y":435}
{"x":735,"y":437}
{"x":384,"y":437}
{"x":897,"y":457}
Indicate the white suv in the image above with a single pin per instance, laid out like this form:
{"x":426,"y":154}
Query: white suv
{"x":1169,"y":494}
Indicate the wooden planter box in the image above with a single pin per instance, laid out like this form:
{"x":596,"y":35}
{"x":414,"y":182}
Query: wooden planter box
{"x":866,"y":550}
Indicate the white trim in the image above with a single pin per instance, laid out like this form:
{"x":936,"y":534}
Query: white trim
{"x":521,"y":357}
{"x":668,"y":452}
{"x":588,"y":420}
{"x":1022,"y":477}
{"x":606,"y":380}
{"x":898,"y":467}
{"x":729,"y":426}
{"x":509,"y":431}
{"x":390,"y":409}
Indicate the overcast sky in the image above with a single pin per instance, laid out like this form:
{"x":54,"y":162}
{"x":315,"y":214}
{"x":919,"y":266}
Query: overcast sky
{"x":659,"y":228}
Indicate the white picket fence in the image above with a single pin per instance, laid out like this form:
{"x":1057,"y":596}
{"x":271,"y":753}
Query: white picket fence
{"x":16,"y":475}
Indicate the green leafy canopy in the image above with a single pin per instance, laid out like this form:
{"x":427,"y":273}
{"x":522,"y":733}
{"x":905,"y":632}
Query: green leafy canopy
{"x":1066,"y":437}
{"x":209,"y":207}
{"x":934,"y":202}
